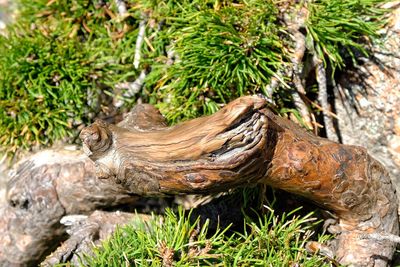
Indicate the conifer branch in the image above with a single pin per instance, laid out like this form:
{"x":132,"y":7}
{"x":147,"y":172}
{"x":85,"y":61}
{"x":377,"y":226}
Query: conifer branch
{"x":134,"y":87}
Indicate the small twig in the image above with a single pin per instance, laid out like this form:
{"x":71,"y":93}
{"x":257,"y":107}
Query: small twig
{"x":322,"y":109}
{"x":134,"y":87}
{"x":323,"y":98}
{"x":294,"y":26}
{"x":277,"y":81}
{"x":121,"y":7}
{"x":380,"y":237}
{"x":131,"y":88}
{"x":316,"y":124}
{"x":139,"y":42}
{"x":302,"y":107}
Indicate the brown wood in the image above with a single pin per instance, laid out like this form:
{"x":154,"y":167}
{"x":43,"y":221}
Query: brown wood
{"x":54,"y":183}
{"x":44,"y":188}
{"x":245,"y":143}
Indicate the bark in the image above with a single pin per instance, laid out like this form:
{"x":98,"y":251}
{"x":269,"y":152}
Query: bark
{"x":245,"y":143}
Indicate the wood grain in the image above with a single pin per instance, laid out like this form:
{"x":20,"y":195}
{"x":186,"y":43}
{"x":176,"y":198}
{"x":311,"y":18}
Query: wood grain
{"x":245,"y":143}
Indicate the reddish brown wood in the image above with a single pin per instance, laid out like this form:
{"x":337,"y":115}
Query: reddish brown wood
{"x":245,"y":143}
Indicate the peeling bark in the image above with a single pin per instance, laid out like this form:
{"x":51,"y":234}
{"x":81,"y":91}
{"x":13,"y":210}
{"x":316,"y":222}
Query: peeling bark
{"x":245,"y":143}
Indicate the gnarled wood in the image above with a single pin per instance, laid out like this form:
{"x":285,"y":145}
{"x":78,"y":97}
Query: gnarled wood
{"x":51,"y":184}
{"x":245,"y":143}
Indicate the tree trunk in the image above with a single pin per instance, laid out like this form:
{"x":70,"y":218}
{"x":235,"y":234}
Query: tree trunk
{"x":245,"y":143}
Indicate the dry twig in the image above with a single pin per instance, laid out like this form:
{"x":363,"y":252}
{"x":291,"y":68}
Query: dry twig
{"x":121,"y":7}
{"x":323,"y":98}
{"x":294,"y":25}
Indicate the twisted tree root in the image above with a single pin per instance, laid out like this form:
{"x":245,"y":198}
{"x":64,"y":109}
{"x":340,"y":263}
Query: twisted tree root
{"x":245,"y":143}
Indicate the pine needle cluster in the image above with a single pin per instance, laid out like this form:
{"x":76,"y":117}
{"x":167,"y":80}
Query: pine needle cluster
{"x":58,"y":61}
{"x":175,"y":240}
{"x":224,"y":50}
{"x":339,"y":29}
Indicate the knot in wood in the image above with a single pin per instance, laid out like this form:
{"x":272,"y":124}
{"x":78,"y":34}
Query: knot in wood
{"x":96,"y":138}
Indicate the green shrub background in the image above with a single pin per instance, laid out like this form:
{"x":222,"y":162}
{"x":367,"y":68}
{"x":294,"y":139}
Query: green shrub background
{"x":61,"y":61}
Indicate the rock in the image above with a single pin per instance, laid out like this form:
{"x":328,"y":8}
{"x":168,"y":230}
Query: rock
{"x":368,"y":103}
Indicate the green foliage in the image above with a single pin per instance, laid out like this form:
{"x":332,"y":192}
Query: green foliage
{"x":53,"y":62}
{"x":39,"y":82}
{"x":224,"y":51}
{"x":269,"y":241}
{"x":335,"y":26}
{"x":62,"y":58}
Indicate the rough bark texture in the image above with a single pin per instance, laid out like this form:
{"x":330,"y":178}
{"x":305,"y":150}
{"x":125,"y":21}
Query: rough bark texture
{"x":51,"y":184}
{"x":367,"y":102}
{"x":43,"y":189}
{"x":241,"y":144}
{"x":246,"y":143}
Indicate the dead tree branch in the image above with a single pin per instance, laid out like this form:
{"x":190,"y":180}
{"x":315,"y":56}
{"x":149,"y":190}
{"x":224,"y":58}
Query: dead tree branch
{"x":323,"y":98}
{"x":294,"y":24}
{"x":245,"y":143}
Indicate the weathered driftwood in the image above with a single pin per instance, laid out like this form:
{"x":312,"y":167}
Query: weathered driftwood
{"x":54,"y":183}
{"x":245,"y":143}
